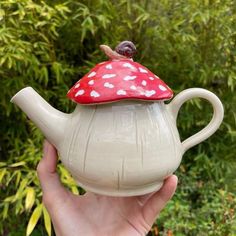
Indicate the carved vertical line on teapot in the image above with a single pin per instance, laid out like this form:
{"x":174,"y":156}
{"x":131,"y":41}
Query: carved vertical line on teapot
{"x":156,"y":126}
{"x":118,"y":180}
{"x":86,"y":151}
{"x":141,"y":147}
{"x":123,"y":169}
{"x":77,"y":130}
{"x":88,"y":136}
{"x":70,"y":142}
{"x":139,"y":139}
{"x":152,"y":109}
{"x":70,"y":149}
{"x":74,"y":144}
{"x":170,"y":126}
{"x":136,"y":130}
{"x":65,"y":142}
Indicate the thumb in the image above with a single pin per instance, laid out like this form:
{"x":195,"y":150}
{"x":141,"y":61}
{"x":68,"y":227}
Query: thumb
{"x":158,"y":200}
{"x":48,"y":177}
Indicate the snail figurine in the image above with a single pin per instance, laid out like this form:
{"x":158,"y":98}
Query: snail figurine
{"x":121,"y":139}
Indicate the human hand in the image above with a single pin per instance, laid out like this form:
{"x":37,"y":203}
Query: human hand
{"x":92,"y":214}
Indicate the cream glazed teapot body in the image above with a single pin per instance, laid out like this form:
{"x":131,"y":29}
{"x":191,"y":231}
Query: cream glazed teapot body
{"x":124,"y":141}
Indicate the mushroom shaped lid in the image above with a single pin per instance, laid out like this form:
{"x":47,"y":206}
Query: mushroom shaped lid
{"x":119,"y":79}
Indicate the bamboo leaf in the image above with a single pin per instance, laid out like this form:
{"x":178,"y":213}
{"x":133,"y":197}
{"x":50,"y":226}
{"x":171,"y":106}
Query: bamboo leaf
{"x":47,"y":221}
{"x":75,"y":190}
{"x":2,"y":14}
{"x":30,"y":198}
{"x":21,"y":163}
{"x":34,"y":219}
{"x":18,"y":178}
{"x":2,"y":60}
{"x":5,"y":210}
{"x":9,"y":62}
{"x":9,"y":199}
{"x":2,"y":164}
{"x":19,"y":207}
{"x":20,"y":191}
{"x":57,"y":70}
{"x":2,"y":173}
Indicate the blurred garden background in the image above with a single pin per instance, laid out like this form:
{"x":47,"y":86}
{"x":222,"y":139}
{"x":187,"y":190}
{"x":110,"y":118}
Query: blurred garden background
{"x":49,"y":45}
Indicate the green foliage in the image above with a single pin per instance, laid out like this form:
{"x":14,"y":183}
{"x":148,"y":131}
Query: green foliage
{"x":49,"y":45}
{"x":200,"y":208}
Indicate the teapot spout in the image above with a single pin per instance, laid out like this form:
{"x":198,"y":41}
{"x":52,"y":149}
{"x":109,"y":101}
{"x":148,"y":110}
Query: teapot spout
{"x":49,"y":120}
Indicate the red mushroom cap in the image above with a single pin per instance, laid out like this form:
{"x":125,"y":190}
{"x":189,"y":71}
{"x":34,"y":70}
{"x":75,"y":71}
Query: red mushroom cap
{"x":116,"y":80}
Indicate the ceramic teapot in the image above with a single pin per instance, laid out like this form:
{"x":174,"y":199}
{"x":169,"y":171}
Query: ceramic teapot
{"x":121,"y":139}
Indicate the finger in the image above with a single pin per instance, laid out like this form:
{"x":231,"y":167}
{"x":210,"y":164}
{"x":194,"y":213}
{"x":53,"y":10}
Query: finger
{"x":157,"y":201}
{"x":48,"y":177}
{"x":144,"y":198}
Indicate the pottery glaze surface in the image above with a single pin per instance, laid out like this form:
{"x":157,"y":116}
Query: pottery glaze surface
{"x":121,"y":148}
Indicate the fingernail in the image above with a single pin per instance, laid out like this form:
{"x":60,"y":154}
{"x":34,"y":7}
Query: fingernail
{"x":176,"y":177}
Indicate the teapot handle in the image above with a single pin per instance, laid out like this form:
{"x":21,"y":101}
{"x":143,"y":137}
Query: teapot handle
{"x":215,"y":122}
